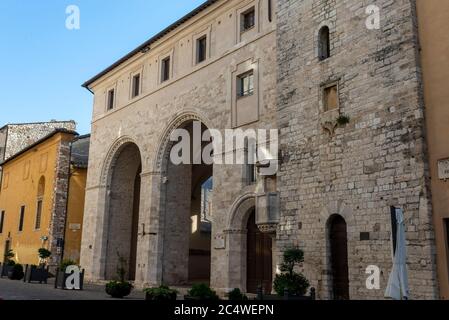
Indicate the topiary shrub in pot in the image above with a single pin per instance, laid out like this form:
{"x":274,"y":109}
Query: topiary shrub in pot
{"x":201,"y":291}
{"x":162,"y":293}
{"x":236,"y":295}
{"x":121,"y":288}
{"x":290,"y":281}
{"x":16,"y":273}
{"x":118,"y":289}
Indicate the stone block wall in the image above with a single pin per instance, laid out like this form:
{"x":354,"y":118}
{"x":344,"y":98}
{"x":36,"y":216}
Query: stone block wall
{"x":361,"y":169}
{"x":19,"y":136}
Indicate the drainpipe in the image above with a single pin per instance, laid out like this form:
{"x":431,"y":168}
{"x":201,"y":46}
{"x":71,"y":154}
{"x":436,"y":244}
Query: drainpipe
{"x":69,"y":174}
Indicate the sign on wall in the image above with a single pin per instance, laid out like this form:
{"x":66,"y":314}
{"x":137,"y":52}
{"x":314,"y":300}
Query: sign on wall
{"x":443,"y":169}
{"x":219,"y":241}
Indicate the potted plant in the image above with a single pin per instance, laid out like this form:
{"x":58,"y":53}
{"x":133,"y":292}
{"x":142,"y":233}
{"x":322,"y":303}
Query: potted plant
{"x":201,"y":291}
{"x":43,"y":254}
{"x":119,"y":288}
{"x":236,"y":295}
{"x":8,"y":264}
{"x":289,"y":283}
{"x":16,"y":273}
{"x":61,"y":275}
{"x":35,"y":273}
{"x":162,"y":293}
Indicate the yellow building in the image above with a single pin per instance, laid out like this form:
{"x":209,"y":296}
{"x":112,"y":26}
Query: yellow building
{"x":34,"y":211}
{"x":433,"y":17}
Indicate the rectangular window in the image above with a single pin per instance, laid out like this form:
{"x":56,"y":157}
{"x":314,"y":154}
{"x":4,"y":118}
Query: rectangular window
{"x":165,"y":69}
{"x":2,"y":220}
{"x":136,"y":85}
{"x":330,"y":98}
{"x":111,"y":97}
{"x":22,"y":218}
{"x":201,"y":49}
{"x":248,"y":19}
{"x":245,"y":84}
{"x":250,"y":161}
{"x":38,"y":215}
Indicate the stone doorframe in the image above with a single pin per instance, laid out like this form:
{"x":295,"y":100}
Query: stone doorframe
{"x":334,"y":208}
{"x":236,"y":235}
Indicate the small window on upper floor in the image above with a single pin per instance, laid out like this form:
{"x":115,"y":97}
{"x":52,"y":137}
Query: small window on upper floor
{"x":111,"y":99}
{"x":21,"y":218}
{"x":245,"y":84}
{"x":324,"y":43}
{"x":135,"y":85}
{"x":165,"y":69}
{"x":248,"y":19}
{"x":330,"y":98}
{"x":201,"y":49}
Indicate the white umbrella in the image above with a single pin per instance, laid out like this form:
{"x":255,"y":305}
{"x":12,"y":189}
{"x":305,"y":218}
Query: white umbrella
{"x":397,"y":287}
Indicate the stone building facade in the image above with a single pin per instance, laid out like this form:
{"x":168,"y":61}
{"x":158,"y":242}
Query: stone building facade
{"x":139,"y":206}
{"x":347,"y":102}
{"x":348,"y":176}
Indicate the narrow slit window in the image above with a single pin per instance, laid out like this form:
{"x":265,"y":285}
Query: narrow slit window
{"x":111,"y":98}
{"x":136,"y":85}
{"x":21,"y":218}
{"x":165,"y":71}
{"x":324,"y":43}
{"x":2,"y":220}
{"x":201,"y":49}
{"x":245,"y":84}
{"x":38,"y":215}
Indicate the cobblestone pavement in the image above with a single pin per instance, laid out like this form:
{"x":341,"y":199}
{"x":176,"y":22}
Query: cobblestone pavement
{"x":19,"y":290}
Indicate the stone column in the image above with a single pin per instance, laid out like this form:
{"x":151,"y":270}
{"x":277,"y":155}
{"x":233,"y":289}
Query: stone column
{"x":94,"y":238}
{"x":150,"y":241}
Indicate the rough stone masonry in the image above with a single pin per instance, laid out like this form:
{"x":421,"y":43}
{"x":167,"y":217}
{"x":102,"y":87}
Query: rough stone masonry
{"x":361,"y":169}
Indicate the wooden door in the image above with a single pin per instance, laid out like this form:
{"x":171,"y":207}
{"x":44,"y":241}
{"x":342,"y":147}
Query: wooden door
{"x":259,"y":258}
{"x":339,"y":258}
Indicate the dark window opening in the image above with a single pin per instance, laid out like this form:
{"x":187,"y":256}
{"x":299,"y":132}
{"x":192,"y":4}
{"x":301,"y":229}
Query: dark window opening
{"x":201,"y":49}
{"x":111,"y":97}
{"x":245,"y":84}
{"x":250,"y":161}
{"x":22,"y":218}
{"x":165,"y":71}
{"x":324,"y":44}
{"x":270,"y":11}
{"x":38,"y":215}
{"x":2,"y":220}
{"x":136,"y":85}
{"x":248,"y":19}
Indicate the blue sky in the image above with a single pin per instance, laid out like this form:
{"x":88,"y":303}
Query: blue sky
{"x":43,"y":64}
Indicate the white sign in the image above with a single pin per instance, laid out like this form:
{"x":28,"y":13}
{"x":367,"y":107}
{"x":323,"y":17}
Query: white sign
{"x":75,"y":226}
{"x":220,"y":241}
{"x":443,"y":169}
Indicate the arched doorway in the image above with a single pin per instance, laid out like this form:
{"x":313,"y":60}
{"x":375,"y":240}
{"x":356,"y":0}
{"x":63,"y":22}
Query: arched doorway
{"x":338,"y":240}
{"x":187,"y":208}
{"x":123,"y":202}
{"x":259,"y":258}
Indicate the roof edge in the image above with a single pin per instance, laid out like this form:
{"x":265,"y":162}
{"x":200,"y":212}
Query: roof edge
{"x":153,"y":39}
{"x":33,"y":145}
